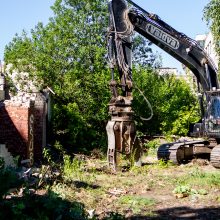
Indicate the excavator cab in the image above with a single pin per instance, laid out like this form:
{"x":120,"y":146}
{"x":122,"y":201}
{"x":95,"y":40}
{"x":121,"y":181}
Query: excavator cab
{"x":212,"y":121}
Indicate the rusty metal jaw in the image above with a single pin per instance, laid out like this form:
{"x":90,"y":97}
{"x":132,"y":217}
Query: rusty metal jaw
{"x":121,"y":131}
{"x":111,"y":145}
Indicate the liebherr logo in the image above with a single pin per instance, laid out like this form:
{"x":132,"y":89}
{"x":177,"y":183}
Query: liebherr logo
{"x":162,"y":36}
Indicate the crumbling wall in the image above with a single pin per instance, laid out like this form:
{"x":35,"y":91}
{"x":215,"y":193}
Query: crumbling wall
{"x":39,"y":126}
{"x":22,"y":127}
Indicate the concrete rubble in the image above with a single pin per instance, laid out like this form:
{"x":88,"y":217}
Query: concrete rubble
{"x":35,"y":178}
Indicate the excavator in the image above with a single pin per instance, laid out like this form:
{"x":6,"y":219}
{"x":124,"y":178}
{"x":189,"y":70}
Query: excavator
{"x":125,"y":19}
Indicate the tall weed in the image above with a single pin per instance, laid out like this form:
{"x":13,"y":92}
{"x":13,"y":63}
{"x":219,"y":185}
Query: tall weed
{"x":73,"y":168}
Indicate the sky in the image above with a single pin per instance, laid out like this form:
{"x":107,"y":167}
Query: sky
{"x":183,"y":15}
{"x":16,"y":15}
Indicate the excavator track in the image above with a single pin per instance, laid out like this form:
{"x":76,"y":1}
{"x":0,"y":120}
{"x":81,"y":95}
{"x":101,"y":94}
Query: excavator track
{"x":171,"y":152}
{"x":180,"y":152}
{"x":215,"y":157}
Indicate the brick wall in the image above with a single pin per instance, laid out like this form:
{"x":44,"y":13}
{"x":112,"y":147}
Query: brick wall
{"x":22,"y":128}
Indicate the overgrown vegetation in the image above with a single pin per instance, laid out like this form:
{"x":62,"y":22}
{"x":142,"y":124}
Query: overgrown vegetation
{"x":47,"y":206}
{"x":196,"y":177}
{"x":8,"y":179}
{"x":211,"y":15}
{"x":173,"y":103}
{"x":69,"y":55}
{"x":85,"y":189}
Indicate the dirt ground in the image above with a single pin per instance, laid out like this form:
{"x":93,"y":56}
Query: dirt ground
{"x":154,"y":191}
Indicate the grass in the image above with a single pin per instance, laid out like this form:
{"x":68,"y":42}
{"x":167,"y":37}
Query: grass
{"x":137,"y":180}
{"x":164,"y":164}
{"x":73,"y":168}
{"x":197,"y":177}
{"x":130,"y":192}
{"x":136,"y":204}
{"x":188,"y":190}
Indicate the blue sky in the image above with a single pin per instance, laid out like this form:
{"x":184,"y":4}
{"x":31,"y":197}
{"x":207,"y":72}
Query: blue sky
{"x":17,"y":15}
{"x":183,"y":15}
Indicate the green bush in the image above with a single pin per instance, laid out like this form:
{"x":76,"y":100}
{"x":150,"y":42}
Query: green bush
{"x":48,"y":206}
{"x":8,"y":180}
{"x":153,"y":144}
{"x":174,"y":105}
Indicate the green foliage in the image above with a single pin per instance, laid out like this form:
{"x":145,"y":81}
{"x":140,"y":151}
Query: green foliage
{"x":182,"y":189}
{"x":197,"y":182}
{"x":172,"y":100}
{"x":18,"y":208}
{"x":136,"y":203}
{"x":153,"y":144}
{"x":212,"y":16}
{"x":33,"y":206}
{"x":68,"y":54}
{"x":48,"y":206}
{"x":164,"y":164}
{"x":47,"y":155}
{"x":142,"y":52}
{"x":8,"y":180}
{"x":187,"y":190}
{"x":73,"y":169}
{"x":198,"y":177}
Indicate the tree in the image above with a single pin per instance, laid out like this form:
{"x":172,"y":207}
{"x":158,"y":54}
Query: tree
{"x":142,"y":52}
{"x":212,"y":16}
{"x":68,"y":54}
{"x":172,"y":100}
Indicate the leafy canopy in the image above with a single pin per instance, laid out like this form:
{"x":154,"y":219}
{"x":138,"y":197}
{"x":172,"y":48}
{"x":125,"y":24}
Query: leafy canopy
{"x":69,"y":55}
{"x":212,"y":16}
{"x":174,"y":104}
